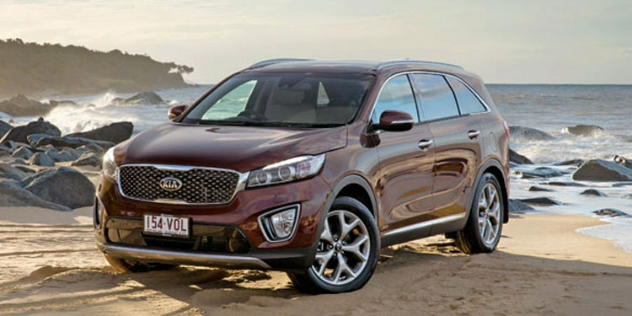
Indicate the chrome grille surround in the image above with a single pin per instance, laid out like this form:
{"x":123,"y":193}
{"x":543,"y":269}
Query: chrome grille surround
{"x":201,"y":185}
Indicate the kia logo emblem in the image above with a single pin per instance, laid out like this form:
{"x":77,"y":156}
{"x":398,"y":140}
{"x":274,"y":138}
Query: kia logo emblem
{"x":171,"y":184}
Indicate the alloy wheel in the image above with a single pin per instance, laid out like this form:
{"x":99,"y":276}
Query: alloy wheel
{"x":489,"y":209}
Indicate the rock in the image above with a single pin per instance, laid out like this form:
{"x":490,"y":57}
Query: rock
{"x":74,"y":142}
{"x":25,"y":169}
{"x":8,"y":169}
{"x":62,"y":185}
{"x":623,"y":161}
{"x":540,"y":173}
{"x":22,"y":152}
{"x":22,"y":106}
{"x":5,"y":176}
{"x":573,"y":162}
{"x":62,"y":156}
{"x":541,"y":201}
{"x":115,"y":132}
{"x":20,"y":133}
{"x":4,"y":151}
{"x":90,"y":147}
{"x":621,"y":184}
{"x":88,"y":159}
{"x":611,"y":212}
{"x":529,"y":134}
{"x":603,"y":171}
{"x":146,"y":98}
{"x":13,"y":195}
{"x":593,"y":192}
{"x":518,"y":158}
{"x":42,"y":159}
{"x":564,"y":184}
{"x":4,"y":128}
{"x":584,"y":130}
{"x":517,"y":206}
{"x":539,"y":189}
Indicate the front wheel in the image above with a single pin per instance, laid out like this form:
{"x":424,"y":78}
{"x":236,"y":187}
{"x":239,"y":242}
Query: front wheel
{"x":484,"y":226}
{"x":347,"y":251}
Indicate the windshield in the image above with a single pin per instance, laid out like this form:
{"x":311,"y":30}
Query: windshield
{"x":284,"y":99}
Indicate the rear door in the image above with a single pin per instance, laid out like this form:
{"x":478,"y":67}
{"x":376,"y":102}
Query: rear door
{"x":457,"y":144}
{"x":405,"y":176}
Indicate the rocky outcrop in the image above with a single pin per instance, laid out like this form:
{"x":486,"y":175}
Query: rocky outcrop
{"x":4,"y":128}
{"x":529,"y":134}
{"x":584,"y":130}
{"x":20,"y":133}
{"x":518,"y":158}
{"x":602,"y":171}
{"x":539,"y":189}
{"x":42,"y":159}
{"x":22,"y":152}
{"x":58,"y":141}
{"x":66,"y":154}
{"x":572,"y":162}
{"x":12,"y":195}
{"x":593,"y":193}
{"x":611,"y":212}
{"x":8,"y":169}
{"x":541,"y":201}
{"x":516,"y":206}
{"x":540,"y":173}
{"x":22,"y":106}
{"x":115,"y":132}
{"x":62,"y":185}
{"x":87,"y":159}
{"x":145,"y":98}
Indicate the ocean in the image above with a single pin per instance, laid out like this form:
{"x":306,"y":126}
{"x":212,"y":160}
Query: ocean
{"x":550,"y":108}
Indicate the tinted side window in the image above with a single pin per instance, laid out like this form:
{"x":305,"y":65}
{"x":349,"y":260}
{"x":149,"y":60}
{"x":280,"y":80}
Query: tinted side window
{"x":396,"y":95}
{"x":468,"y":102}
{"x":437,"y":99}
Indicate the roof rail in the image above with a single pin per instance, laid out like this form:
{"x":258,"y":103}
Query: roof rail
{"x":417,"y":62}
{"x":268,"y":62}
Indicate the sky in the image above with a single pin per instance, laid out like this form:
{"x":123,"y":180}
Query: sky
{"x":503,"y":41}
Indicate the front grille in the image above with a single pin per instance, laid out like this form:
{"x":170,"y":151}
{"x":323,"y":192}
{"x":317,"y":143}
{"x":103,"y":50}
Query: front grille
{"x":199,"y":185}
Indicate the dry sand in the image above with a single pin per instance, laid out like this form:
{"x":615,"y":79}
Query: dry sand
{"x":542,"y":267}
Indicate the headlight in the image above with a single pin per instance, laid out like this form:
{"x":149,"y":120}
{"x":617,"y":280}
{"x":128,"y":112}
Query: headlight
{"x":110,"y":170}
{"x":287,"y":171}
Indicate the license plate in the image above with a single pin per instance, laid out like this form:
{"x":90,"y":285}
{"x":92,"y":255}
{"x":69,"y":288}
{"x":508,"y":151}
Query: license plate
{"x":167,"y":225}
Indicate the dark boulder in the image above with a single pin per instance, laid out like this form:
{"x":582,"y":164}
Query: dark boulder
{"x":63,"y":186}
{"x":20,"y":133}
{"x":518,"y":158}
{"x":88,"y":159}
{"x":145,"y":98}
{"x":42,"y":159}
{"x":584,"y":130}
{"x":22,"y":152}
{"x":611,"y":212}
{"x":8,"y":169}
{"x":115,"y":132}
{"x":603,"y":171}
{"x":22,"y":106}
{"x":540,"y":173}
{"x":529,"y":134}
{"x":539,"y":189}
{"x":12,"y":195}
{"x":4,"y":128}
{"x":516,"y":206}
{"x":541,"y":201}
{"x":593,"y":192}
{"x":66,"y":154}
{"x":563,"y":184}
{"x":572,"y":162}
{"x":58,"y":141}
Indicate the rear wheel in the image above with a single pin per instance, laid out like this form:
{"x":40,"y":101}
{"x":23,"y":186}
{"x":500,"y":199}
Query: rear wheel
{"x":484,"y":226}
{"x":346,"y":253}
{"x":131,"y":266}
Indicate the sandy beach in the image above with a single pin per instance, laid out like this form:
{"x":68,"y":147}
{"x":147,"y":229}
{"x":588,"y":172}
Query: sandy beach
{"x":542,"y":267}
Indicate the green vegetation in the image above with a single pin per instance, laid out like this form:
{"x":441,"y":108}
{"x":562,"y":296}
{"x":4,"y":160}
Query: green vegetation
{"x":53,"y":69}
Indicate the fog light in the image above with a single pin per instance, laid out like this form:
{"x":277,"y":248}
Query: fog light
{"x":279,"y":225}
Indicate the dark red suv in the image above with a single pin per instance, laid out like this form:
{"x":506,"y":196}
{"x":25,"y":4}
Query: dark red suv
{"x":310,"y":167}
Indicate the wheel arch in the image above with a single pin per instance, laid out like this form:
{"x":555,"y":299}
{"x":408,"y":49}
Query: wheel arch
{"x":494,"y":167}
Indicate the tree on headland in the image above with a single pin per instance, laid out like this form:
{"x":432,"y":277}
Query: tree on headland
{"x":32,"y":68}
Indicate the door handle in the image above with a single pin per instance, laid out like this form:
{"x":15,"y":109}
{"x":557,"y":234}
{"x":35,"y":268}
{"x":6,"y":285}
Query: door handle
{"x":424,"y":144}
{"x":473,"y":134}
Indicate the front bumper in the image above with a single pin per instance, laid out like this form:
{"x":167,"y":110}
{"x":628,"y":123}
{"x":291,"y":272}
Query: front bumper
{"x":240,"y":214}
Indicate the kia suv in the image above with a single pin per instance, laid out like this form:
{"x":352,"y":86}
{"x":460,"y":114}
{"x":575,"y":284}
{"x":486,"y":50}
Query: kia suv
{"x":309,"y":167}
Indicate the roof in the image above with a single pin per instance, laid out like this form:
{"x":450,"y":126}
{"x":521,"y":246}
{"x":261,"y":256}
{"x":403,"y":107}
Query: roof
{"x":304,"y":65}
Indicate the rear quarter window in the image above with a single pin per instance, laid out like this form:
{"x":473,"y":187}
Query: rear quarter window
{"x":468,"y":102}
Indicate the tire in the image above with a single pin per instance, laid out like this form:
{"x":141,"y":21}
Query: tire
{"x":345,"y":258}
{"x":485,"y":222}
{"x":131,"y":266}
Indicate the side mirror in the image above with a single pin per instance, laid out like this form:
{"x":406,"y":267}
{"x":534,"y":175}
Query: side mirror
{"x":176,"y":111}
{"x":394,"y":121}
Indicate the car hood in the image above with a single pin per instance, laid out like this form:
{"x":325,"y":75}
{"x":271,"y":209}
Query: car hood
{"x":231,"y":147}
